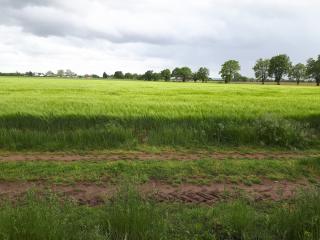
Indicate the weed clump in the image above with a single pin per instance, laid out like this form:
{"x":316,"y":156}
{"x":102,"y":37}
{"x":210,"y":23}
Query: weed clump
{"x":274,"y":131}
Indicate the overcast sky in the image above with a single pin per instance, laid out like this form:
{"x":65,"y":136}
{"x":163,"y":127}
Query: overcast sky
{"x":92,"y":36}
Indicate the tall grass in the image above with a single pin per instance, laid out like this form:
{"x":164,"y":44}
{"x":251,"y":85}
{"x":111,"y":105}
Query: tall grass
{"x":300,"y":220}
{"x":130,"y":217}
{"x":39,"y":218}
{"x":81,"y":114}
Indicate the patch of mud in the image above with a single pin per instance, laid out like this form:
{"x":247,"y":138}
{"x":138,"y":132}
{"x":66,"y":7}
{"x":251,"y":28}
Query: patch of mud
{"x":93,"y":195}
{"x":183,"y":156}
{"x":273,"y":191}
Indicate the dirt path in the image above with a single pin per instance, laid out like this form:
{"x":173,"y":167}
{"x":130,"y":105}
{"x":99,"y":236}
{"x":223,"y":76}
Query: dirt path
{"x":92,"y":194}
{"x":167,"y":155}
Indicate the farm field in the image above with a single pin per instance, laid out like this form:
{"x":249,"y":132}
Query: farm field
{"x":156,"y":160}
{"x":61,"y":114}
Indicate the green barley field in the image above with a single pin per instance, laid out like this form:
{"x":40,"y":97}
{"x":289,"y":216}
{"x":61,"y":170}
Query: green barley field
{"x":134,"y":160}
{"x":65,"y":114}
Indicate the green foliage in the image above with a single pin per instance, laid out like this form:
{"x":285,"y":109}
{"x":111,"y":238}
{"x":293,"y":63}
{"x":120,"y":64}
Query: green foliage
{"x":148,"y":76}
{"x":279,"y":67}
{"x":60,"y":73}
{"x":274,"y":131}
{"x":128,"y":76}
{"x":156,"y":76}
{"x":184,"y":73}
{"x":313,"y":69}
{"x":166,"y":75}
{"x":29,"y":74}
{"x":298,"y":72}
{"x":261,"y":69}
{"x":118,"y":75}
{"x":202,"y":74}
{"x":229,"y":70}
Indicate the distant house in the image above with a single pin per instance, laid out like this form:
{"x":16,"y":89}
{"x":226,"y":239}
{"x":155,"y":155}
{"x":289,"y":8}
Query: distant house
{"x":179,"y":79}
{"x":39,"y":75}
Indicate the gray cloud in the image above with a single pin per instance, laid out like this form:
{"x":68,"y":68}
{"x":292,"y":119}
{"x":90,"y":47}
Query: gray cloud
{"x":23,"y":3}
{"x":154,"y":34}
{"x":44,"y":19}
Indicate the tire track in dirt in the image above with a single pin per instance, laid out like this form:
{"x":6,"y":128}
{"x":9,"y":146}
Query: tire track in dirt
{"x":93,"y":194}
{"x":143,"y":156}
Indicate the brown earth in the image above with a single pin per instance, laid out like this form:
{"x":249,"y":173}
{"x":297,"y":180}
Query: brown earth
{"x":167,"y":155}
{"x":92,"y":194}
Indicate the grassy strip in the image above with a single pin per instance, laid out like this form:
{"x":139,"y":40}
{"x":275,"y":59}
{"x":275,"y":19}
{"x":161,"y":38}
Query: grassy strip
{"x":197,"y":172}
{"x":23,"y":132}
{"x":132,"y":218}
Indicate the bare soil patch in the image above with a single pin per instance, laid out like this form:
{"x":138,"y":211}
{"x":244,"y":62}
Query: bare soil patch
{"x":93,"y":194}
{"x":167,"y":155}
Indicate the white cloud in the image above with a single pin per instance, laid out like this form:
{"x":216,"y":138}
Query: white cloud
{"x":105,"y":35}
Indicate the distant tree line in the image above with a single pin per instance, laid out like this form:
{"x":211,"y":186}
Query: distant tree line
{"x":183,"y":74}
{"x":60,"y":73}
{"x":275,"y":69}
{"x":280,"y":66}
{"x":16,"y":74}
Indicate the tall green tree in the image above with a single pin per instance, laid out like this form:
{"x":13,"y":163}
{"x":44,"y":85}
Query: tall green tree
{"x":135,"y":76}
{"x":105,"y":75}
{"x":229,"y":70}
{"x":261,"y":69}
{"x":195,"y":77}
{"x":118,"y":75}
{"x":166,"y":74}
{"x":29,"y":74}
{"x":156,"y":76}
{"x":184,"y":73}
{"x":298,"y":72}
{"x":313,"y":69}
{"x":148,"y":75}
{"x":69,"y":73}
{"x":279,"y":67}
{"x":128,"y":76}
{"x":203,"y":74}
{"x":60,"y":73}
{"x":176,"y":73}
